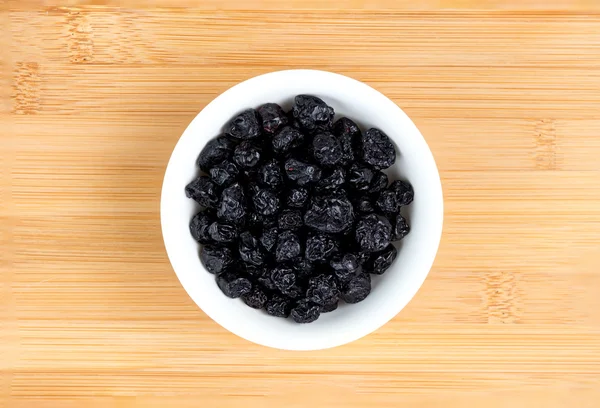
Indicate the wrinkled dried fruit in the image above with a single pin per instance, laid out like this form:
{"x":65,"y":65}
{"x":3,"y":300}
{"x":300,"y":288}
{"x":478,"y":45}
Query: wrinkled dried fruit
{"x":344,"y":266}
{"x":224,"y":173}
{"x":379,"y":262}
{"x":279,"y":306}
{"x":305,"y":312}
{"x":288,"y":247}
{"x":312,"y":113}
{"x":232,"y":206}
{"x":302,"y":173}
{"x":268,"y":239}
{"x":250,"y":251}
{"x":203,"y":191}
{"x":215,"y":151}
{"x":265,"y":201}
{"x":400,"y":228}
{"x":246,"y":155}
{"x":323,"y":290}
{"x":283,"y":277}
{"x":287,"y":139}
{"x":403,"y":190}
{"x":244,"y":126}
{"x":270,"y":174}
{"x":320,"y":247}
{"x":216,"y":259}
{"x":379,"y":182}
{"x":297,"y":197}
{"x":373,"y":233}
{"x":233,"y":285}
{"x":332,"y":181}
{"x":199,"y":228}
{"x":377,"y":149}
{"x":256,"y":298}
{"x":290,"y":220}
{"x":363,"y":205}
{"x":360,"y":177}
{"x":357,"y":289}
{"x":348,"y":134}
{"x":273,"y":117}
{"x":326,"y":149}
{"x":223,"y":233}
{"x":331,"y":214}
{"x":303,"y":269}
{"x":387,"y":202}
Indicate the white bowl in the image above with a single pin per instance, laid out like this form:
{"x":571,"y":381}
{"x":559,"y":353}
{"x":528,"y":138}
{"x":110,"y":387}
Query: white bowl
{"x":390,"y":291}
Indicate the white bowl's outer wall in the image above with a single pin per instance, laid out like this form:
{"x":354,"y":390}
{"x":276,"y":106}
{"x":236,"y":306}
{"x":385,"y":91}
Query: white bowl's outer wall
{"x":390,"y":292}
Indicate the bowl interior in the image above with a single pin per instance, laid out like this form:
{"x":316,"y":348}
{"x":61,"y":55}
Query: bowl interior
{"x":390,"y":292}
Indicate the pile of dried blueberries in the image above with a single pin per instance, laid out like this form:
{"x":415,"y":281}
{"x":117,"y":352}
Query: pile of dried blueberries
{"x":296,"y":212}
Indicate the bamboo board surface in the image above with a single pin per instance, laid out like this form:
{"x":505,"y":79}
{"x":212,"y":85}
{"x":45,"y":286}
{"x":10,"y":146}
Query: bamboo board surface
{"x":93,"y":97}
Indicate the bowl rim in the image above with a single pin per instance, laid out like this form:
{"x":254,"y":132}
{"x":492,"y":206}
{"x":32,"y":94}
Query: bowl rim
{"x":434,"y":237}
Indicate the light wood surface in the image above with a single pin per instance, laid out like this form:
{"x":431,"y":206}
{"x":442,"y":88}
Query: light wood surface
{"x":94,"y":97}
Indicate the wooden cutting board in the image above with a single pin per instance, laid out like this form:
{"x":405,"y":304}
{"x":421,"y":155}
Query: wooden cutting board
{"x":95,"y":95}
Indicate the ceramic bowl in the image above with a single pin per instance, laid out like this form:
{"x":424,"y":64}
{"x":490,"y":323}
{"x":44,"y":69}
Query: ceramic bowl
{"x":390,"y":291}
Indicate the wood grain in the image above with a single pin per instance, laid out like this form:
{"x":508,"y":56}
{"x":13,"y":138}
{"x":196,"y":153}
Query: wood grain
{"x":95,"y":94}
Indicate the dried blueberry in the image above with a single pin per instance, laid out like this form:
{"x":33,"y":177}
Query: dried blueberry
{"x":312,"y":113}
{"x":379,"y":182}
{"x":221,"y":232}
{"x":387,"y":202}
{"x":344,"y":266}
{"x":329,"y":308}
{"x":256,"y":298}
{"x":326,"y":149}
{"x":270,"y":174}
{"x":249,"y":249}
{"x":246,"y":155}
{"x":273,"y":117}
{"x":363,"y":205}
{"x":332,"y":181}
{"x":373,"y":233}
{"x":301,"y":172}
{"x":403,"y":190}
{"x":331,"y":214}
{"x":297,"y":197}
{"x":233,"y":285}
{"x":288,"y":247}
{"x":224,"y":173}
{"x":283,"y":277}
{"x":287,"y":139}
{"x":279,"y":306}
{"x":400,"y":228}
{"x":268,"y":239}
{"x":320,"y":247}
{"x":360,"y":177}
{"x":294,"y":292}
{"x":377,"y":149}
{"x":203,"y":191}
{"x":232,"y":207}
{"x":199,"y":228}
{"x":265,"y":280}
{"x":305,"y":312}
{"x":357,"y":289}
{"x":246,"y":125}
{"x":380,"y":261}
{"x":290,"y":220}
{"x":265,"y":201}
{"x":216,"y":259}
{"x":303,"y":268}
{"x":323,"y":290}
{"x":348,"y":134}
{"x":254,"y":270}
{"x":215,"y":151}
